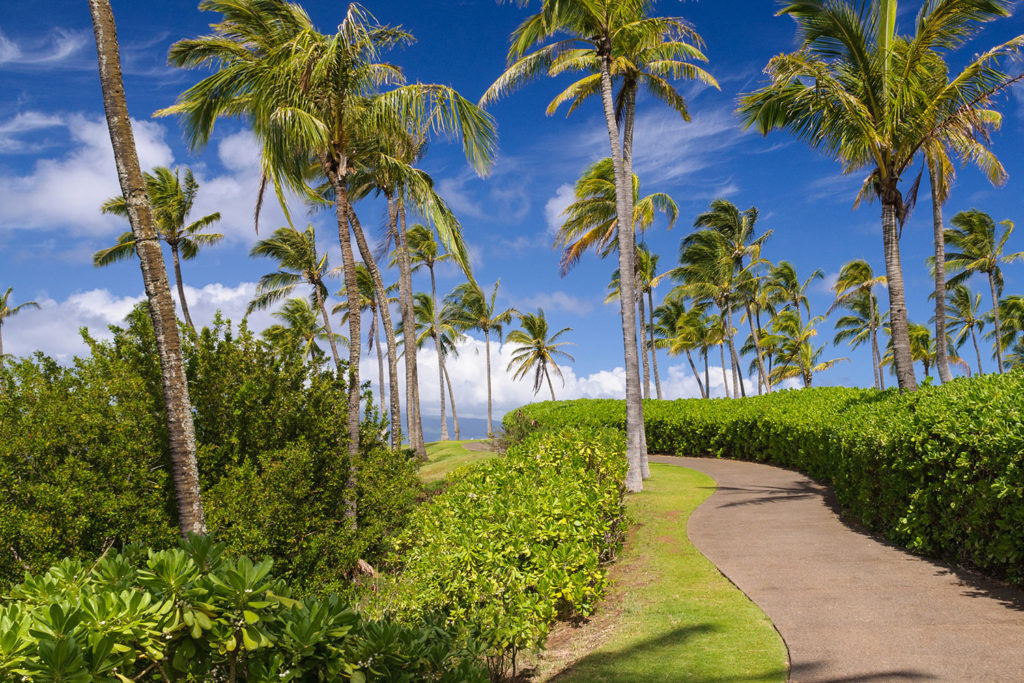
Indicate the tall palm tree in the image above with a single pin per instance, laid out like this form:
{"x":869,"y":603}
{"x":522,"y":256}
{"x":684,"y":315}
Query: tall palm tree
{"x":301,"y":327}
{"x":854,"y":289}
{"x":860,"y":326}
{"x":980,"y":250}
{"x":536,"y":351}
{"x":856,"y":90}
{"x":476,"y":311}
{"x":7,"y":310}
{"x":681,"y":330}
{"x":646,"y":270}
{"x":1011,"y":321}
{"x":797,"y":355}
{"x":180,"y":427}
{"x":171,"y":199}
{"x":606,"y":39}
{"x":298,"y":263}
{"x":964,"y":318}
{"x":443,"y":328}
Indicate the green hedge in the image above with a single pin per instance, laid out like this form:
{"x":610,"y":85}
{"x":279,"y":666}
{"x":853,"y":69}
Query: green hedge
{"x":189,"y":614}
{"x":515,"y":543}
{"x":939,"y":471}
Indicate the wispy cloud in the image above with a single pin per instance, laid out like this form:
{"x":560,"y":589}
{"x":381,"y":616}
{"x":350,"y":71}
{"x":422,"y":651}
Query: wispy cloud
{"x":557,"y":301}
{"x":13,"y":130}
{"x":58,"y":47}
{"x":502,"y":197}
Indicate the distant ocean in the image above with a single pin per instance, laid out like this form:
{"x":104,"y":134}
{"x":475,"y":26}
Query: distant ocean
{"x":470,"y":427}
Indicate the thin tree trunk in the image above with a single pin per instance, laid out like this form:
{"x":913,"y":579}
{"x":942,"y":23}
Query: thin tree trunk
{"x":412,"y":382}
{"x":707,"y":375}
{"x":180,"y":428}
{"x":440,"y":384}
{"x":998,"y":323}
{"x":737,"y":377}
{"x":380,"y":374}
{"x":327,"y":326}
{"x":941,"y":350}
{"x":974,"y":339}
{"x":487,"y":345}
{"x":757,"y":348}
{"x":876,"y":362}
{"x":551,"y":387}
{"x":696,"y":375}
{"x":341,"y":202}
{"x":627,"y":258}
{"x":725,"y":373}
{"x":643,"y":344}
{"x":451,"y":397}
{"x":897,"y":300}
{"x":1,"y":340}
{"x":654,"y":349}
{"x":389,"y":329}
{"x":181,"y":287}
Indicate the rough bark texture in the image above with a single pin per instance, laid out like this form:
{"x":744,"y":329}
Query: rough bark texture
{"x":941,"y":350}
{"x":181,"y":287}
{"x":412,"y":381}
{"x":180,"y":429}
{"x":627,"y":258}
{"x":897,"y":299}
{"x":389,"y":329}
{"x":654,"y":349}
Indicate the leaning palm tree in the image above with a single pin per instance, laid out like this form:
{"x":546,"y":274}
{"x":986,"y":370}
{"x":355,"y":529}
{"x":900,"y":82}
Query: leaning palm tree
{"x":180,"y":426}
{"x":797,"y":355}
{"x":853,"y":288}
{"x":963,"y":317}
{"x":536,"y":351}
{"x":609,"y":38}
{"x":475,"y":311}
{"x":443,"y":328}
{"x":171,"y":199}
{"x":298,"y":263}
{"x":856,"y":90}
{"x":979,"y":249}
{"x":7,"y":310}
{"x":301,"y":327}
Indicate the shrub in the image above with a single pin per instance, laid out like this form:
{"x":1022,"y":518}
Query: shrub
{"x":190,"y":614}
{"x":939,"y":471}
{"x":514,"y":543}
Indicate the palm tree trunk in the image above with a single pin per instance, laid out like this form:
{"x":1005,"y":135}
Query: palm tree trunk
{"x":998,"y":323}
{"x":440,"y":383}
{"x":725,"y":373}
{"x":974,"y":339}
{"x":707,"y":375}
{"x":1,"y":340}
{"x":941,"y":350}
{"x":757,"y":348}
{"x":389,"y":330}
{"x":412,"y":382}
{"x":876,"y":360}
{"x":627,"y":258}
{"x":654,"y":349}
{"x":897,"y":299}
{"x":451,"y":397}
{"x":327,"y":326}
{"x":181,"y":287}
{"x":551,"y":387}
{"x":487,"y":345}
{"x":180,"y":428}
{"x":380,"y":376}
{"x":334,"y":174}
{"x":737,"y":378}
{"x":643,"y":345}
{"x":696,"y":375}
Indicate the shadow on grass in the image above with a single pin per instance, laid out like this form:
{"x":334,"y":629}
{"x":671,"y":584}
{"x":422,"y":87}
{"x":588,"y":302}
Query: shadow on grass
{"x":651,"y":660}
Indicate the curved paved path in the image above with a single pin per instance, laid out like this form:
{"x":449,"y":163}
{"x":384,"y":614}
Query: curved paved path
{"x":850,"y":607}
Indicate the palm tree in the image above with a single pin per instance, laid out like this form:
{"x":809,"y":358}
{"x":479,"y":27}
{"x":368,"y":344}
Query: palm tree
{"x":537,"y":351}
{"x":298,"y":263}
{"x":853,"y":288}
{"x":681,"y":331}
{"x":7,"y":310}
{"x":301,"y":327}
{"x":443,"y":329}
{"x":858,"y":91}
{"x":180,"y":427}
{"x":1011,"y":321}
{"x":980,"y":250}
{"x":860,"y":326}
{"x":171,"y":200}
{"x":610,"y":38}
{"x":645,"y":277}
{"x":797,"y":355}
{"x":963,"y":317}
{"x":476,"y":312}
{"x":789,"y":292}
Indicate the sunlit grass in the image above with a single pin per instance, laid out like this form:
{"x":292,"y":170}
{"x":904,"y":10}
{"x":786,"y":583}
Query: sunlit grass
{"x":447,"y":456}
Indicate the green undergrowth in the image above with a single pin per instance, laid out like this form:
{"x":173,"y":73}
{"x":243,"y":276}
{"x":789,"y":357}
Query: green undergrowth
{"x":444,"y":457}
{"x":939,"y":471}
{"x":678,"y":618}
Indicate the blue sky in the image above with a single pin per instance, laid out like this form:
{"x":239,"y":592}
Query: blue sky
{"x":56,"y":169}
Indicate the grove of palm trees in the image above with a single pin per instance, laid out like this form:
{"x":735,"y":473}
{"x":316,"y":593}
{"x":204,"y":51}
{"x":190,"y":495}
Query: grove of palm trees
{"x":575,"y":234}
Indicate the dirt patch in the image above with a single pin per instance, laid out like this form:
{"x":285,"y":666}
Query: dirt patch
{"x":480,"y":446}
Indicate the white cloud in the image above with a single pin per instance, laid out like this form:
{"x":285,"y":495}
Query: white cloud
{"x":58,"y":46}
{"x":501,"y":197}
{"x":556,"y":206}
{"x":557,"y":301}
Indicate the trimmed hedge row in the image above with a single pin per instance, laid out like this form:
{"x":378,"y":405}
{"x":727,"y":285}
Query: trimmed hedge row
{"x":513,"y":544}
{"x":939,"y":471}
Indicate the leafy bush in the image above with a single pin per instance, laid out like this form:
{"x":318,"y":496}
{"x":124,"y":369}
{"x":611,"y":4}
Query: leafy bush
{"x":188,"y":614}
{"x":939,"y":471}
{"x":514,"y":543}
{"x":84,"y":462}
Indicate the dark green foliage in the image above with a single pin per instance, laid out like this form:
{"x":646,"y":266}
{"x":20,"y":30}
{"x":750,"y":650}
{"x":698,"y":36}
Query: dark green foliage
{"x":84,"y":464}
{"x":939,"y":471}
{"x":514,"y":543}
{"x":189,"y":614}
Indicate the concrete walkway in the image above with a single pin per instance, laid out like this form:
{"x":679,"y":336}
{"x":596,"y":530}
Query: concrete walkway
{"x":849,"y":606}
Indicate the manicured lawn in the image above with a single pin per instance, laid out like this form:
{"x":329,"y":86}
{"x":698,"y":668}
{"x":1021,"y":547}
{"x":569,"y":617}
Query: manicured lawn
{"x":670,"y":616}
{"x":447,"y":456}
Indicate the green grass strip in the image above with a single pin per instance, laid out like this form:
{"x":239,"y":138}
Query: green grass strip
{"x":447,"y":456}
{"x":678,"y":618}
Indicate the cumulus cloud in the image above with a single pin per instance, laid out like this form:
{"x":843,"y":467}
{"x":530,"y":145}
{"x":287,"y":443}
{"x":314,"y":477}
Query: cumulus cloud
{"x":556,"y":206}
